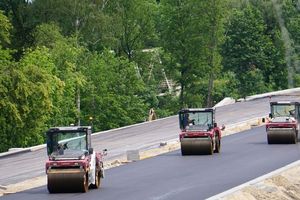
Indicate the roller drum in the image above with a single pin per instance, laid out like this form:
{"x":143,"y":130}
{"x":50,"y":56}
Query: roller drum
{"x":67,"y":180}
{"x":282,"y":136}
{"x":196,"y":146}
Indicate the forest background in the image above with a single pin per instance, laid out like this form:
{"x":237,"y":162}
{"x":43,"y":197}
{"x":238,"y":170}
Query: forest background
{"x":107,"y":62}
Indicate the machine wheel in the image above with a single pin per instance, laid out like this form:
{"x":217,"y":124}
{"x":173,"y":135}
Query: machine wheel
{"x":211,"y":150}
{"x":85,"y":183}
{"x":50,"y":189}
{"x":295,"y":138}
{"x":269,"y":140}
{"x":97,"y":180}
{"x":183,"y":152}
{"x":217,"y":145}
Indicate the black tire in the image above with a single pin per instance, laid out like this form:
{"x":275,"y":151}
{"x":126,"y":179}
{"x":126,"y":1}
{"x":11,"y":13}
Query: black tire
{"x":269,"y":140}
{"x":85,"y":183}
{"x":97,"y":180}
{"x":50,"y":189}
{"x":218,"y":144}
{"x":295,"y":138}
{"x":211,"y":150}
{"x":183,"y":152}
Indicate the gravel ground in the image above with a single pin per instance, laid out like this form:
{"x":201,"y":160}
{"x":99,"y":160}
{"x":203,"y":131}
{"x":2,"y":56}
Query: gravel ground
{"x":282,"y":186}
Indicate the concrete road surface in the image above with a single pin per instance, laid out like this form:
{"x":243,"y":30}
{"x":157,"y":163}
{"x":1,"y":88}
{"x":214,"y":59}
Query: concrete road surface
{"x":244,"y":156}
{"x":20,"y":167}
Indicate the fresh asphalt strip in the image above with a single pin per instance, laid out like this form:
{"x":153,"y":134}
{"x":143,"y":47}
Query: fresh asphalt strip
{"x":244,"y":157}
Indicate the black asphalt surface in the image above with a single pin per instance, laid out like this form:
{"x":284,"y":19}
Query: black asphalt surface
{"x":20,"y":167}
{"x":170,"y":176}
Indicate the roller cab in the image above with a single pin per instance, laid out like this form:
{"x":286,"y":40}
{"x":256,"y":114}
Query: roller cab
{"x":199,"y":132}
{"x":72,"y":165}
{"x":283,"y":124}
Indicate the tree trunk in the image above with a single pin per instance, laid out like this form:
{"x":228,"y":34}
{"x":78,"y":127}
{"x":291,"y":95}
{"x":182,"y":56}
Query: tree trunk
{"x":209,"y":102}
{"x":78,"y":106}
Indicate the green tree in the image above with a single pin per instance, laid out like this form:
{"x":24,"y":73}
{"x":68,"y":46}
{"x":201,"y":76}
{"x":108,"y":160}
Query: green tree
{"x":112,"y":95}
{"x":19,"y":13}
{"x":5,"y":61}
{"x":214,"y":15}
{"x":5,"y":28}
{"x":85,"y":19}
{"x":248,"y":48}
{"x":69,"y":60}
{"x":192,"y":33}
{"x":133,"y":25}
{"x":27,"y":90}
{"x":180,"y":38}
{"x":291,"y":17}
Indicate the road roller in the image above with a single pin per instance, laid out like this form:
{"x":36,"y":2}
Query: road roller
{"x":282,"y":126}
{"x":72,"y":165}
{"x":200,"y":133}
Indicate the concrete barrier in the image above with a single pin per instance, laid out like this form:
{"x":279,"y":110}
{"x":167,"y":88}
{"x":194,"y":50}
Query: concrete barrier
{"x":225,"y":101}
{"x":270,"y":94}
{"x":14,"y":152}
{"x":133,"y":155}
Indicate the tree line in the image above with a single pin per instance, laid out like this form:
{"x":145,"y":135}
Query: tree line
{"x":107,"y":62}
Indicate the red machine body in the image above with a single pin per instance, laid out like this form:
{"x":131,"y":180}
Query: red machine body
{"x":72,"y":163}
{"x":283,"y":123}
{"x":199,"y":131}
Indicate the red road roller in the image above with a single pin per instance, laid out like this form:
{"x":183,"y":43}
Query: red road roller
{"x":72,"y":165}
{"x":200,"y":133}
{"x":282,"y":126}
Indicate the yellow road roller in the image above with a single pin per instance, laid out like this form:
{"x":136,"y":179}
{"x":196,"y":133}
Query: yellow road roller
{"x":200,"y":133}
{"x":72,"y":165}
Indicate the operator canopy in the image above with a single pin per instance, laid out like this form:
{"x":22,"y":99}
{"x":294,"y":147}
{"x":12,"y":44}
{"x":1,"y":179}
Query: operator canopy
{"x":66,"y":143}
{"x":196,"y":119}
{"x":283,"y":110}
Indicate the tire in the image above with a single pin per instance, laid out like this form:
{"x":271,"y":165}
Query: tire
{"x":211,"y":150}
{"x":269,"y":140}
{"x":85,"y":183}
{"x":50,"y":189}
{"x":183,"y":152}
{"x":217,"y":145}
{"x":295,"y":138}
{"x":97,"y":180}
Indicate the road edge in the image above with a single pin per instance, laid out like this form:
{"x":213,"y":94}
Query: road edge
{"x":254,"y":181}
{"x":149,"y":152}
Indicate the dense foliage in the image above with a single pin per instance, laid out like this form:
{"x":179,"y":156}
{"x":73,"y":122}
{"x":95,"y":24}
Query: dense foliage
{"x":107,"y":62}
